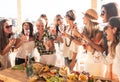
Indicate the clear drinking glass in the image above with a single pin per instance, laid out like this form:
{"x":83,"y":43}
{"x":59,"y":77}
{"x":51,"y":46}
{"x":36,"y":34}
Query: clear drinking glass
{"x":45,"y":39}
{"x":27,"y":32}
{"x":13,"y":37}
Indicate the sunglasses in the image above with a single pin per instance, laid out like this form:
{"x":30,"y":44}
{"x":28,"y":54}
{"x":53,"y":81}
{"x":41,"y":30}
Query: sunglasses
{"x":9,"y":26}
{"x":59,"y":19}
{"x":102,"y":13}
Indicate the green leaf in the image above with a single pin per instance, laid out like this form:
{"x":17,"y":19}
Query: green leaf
{"x":18,"y":67}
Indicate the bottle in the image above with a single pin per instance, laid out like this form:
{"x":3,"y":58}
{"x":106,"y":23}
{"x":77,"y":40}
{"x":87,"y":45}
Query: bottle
{"x":29,"y":67}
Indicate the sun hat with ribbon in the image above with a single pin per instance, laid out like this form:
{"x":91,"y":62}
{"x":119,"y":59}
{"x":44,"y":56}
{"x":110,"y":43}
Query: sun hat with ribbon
{"x":92,"y":15}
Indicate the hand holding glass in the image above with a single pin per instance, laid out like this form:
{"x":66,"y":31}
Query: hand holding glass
{"x":27,"y":32}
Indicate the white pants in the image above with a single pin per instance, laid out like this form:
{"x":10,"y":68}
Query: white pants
{"x":48,"y":59}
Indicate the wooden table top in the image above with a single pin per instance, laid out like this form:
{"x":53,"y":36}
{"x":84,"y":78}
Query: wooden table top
{"x":9,"y":75}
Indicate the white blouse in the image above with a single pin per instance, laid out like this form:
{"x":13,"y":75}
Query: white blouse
{"x":92,"y":62}
{"x":68,"y":51}
{"x":25,"y":49}
{"x":116,"y":61}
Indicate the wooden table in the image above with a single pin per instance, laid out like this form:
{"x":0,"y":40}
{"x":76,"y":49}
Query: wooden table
{"x":9,"y":75}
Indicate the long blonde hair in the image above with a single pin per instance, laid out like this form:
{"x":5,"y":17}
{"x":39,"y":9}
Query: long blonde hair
{"x":91,"y":28}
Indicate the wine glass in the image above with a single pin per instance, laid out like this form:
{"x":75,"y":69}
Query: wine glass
{"x":80,"y":30}
{"x":45,"y":39}
{"x":13,"y":37}
{"x":27,"y":32}
{"x":52,"y":29}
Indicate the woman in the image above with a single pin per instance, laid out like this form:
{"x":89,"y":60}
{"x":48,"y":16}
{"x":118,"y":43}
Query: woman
{"x":25,"y":43}
{"x":113,"y":37}
{"x":59,"y":27}
{"x":58,"y":22}
{"x":45,"y":18}
{"x":44,"y":44}
{"x":5,"y":43}
{"x":91,"y":40}
{"x":106,"y":10}
{"x":70,"y":48}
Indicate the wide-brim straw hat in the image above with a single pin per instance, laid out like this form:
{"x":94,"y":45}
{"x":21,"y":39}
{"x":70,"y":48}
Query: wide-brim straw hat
{"x":92,"y":15}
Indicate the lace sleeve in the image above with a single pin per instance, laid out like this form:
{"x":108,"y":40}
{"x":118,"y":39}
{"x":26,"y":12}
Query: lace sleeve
{"x":107,"y":59}
{"x":100,"y":57}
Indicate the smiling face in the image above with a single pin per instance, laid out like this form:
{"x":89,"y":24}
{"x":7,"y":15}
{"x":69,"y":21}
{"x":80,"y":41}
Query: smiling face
{"x":7,"y":27}
{"x":85,"y":20}
{"x":67,"y":19}
{"x":110,"y":32}
{"x":26,"y":26}
{"x":60,"y":21}
{"x":104,"y":15}
{"x":40,"y":26}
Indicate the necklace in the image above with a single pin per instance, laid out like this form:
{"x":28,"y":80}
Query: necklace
{"x":68,"y":45}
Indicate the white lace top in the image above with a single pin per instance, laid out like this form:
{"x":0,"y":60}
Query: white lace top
{"x":25,"y":49}
{"x":114,"y":61}
{"x":93,"y":62}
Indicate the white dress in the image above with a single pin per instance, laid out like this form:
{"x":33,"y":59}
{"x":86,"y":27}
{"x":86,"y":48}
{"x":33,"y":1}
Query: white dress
{"x":59,"y":51}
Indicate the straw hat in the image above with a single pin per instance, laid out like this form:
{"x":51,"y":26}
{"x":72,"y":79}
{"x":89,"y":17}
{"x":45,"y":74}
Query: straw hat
{"x":92,"y":15}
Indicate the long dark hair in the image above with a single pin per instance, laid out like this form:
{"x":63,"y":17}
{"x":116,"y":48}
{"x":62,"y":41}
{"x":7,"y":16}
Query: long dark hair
{"x":3,"y":37}
{"x":30,"y":28}
{"x":58,"y":17}
{"x":71,"y":15}
{"x":111,"y":9}
{"x":115,"y":23}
